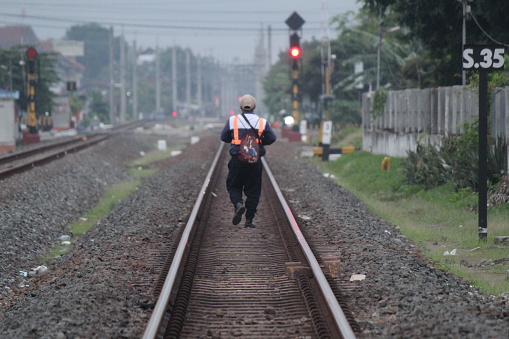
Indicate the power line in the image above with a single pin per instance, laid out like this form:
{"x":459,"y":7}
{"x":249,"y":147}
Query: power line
{"x":485,"y":33}
{"x":150,"y":6}
{"x":153,"y":26}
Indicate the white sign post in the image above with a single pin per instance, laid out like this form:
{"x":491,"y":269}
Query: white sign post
{"x":326,"y":139}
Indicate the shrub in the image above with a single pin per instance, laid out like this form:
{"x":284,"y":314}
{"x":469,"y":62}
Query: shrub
{"x":425,"y":167}
{"x":461,"y":154}
{"x":497,"y":160}
{"x":456,"y":161}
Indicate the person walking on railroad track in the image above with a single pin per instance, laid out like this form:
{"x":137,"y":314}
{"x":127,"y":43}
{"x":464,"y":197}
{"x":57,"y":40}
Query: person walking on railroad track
{"x":245,"y":178}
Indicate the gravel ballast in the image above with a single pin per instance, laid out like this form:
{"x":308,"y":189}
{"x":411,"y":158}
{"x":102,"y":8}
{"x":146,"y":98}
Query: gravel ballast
{"x":100,"y":288}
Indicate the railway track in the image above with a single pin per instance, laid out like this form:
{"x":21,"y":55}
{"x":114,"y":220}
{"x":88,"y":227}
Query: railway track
{"x":227,"y":281}
{"x":26,"y":159}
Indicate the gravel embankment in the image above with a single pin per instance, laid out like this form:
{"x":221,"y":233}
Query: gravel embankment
{"x":100,"y":288}
{"x":402,"y":295}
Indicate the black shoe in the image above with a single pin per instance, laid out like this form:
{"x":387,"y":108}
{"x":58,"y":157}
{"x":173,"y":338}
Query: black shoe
{"x":239,"y":211}
{"x":249,"y":224}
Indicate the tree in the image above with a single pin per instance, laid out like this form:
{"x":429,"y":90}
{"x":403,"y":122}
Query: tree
{"x":96,"y":41}
{"x":277,"y":85}
{"x":438,"y":25}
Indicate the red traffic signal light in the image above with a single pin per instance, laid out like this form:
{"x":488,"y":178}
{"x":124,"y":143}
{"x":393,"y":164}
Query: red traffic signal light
{"x":31,"y":53}
{"x":294,"y":52}
{"x":295,"y":46}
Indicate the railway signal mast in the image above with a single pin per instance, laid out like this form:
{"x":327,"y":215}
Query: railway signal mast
{"x":295,"y":23}
{"x":32,"y":136}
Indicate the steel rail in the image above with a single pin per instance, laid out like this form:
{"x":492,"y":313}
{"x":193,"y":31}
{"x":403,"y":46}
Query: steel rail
{"x":39,"y":148}
{"x":21,"y":154}
{"x":332,"y":303}
{"x":160,"y":309}
{"x":53,"y":152}
{"x":164,"y":298}
{"x":26,"y":159}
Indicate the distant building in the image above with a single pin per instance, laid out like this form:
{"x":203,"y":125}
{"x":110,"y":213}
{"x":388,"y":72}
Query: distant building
{"x":15,"y":35}
{"x":148,"y":55}
{"x":70,"y":73}
{"x":9,"y":128}
{"x":69,"y":70}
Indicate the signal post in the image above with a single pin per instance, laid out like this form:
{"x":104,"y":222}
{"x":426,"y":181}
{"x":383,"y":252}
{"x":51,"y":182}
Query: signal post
{"x":32,"y":135}
{"x":295,"y":23}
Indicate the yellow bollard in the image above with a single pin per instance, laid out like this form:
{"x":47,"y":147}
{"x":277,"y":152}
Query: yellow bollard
{"x":386,"y":164}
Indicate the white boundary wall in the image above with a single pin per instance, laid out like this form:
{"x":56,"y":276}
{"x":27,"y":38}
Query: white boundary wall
{"x":427,"y":114}
{"x":8,"y":126}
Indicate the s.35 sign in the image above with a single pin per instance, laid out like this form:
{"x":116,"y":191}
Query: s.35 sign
{"x":483,"y":57}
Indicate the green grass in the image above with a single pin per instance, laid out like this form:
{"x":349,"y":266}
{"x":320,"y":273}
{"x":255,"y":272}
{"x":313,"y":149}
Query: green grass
{"x":349,"y":135}
{"x":101,"y":210}
{"x":104,"y":207}
{"x":437,"y":220}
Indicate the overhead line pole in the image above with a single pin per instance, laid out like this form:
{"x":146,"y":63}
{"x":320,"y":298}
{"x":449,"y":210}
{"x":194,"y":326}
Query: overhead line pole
{"x":123,"y":103}
{"x":112,"y":79}
{"x":135,"y":80}
{"x":174,"y":77}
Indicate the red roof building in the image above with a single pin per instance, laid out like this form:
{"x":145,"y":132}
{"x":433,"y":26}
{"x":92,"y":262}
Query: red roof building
{"x":17,"y":35}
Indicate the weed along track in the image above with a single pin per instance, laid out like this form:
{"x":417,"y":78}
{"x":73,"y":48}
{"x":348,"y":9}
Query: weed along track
{"x":236,"y":281}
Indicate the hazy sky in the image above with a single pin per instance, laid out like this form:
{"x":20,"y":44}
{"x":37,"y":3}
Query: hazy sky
{"x":228,"y":30}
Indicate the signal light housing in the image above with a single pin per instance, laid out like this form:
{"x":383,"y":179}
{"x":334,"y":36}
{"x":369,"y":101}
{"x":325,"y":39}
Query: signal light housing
{"x":295,"y":51}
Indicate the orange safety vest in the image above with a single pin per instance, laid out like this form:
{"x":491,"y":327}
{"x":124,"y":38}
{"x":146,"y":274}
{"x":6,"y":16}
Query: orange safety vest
{"x":236,"y":140}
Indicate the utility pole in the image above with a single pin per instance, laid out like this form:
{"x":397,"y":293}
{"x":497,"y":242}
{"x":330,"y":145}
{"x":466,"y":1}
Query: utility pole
{"x":381,"y":31}
{"x":326,"y":123}
{"x":466,"y":11}
{"x":199,"y":86}
{"x":174,"y":77}
{"x":135,"y":81}
{"x":378,"y":50}
{"x":269,"y":45}
{"x":188,"y":78}
{"x":158,"y":81}
{"x":122,"y":80}
{"x":112,"y":79}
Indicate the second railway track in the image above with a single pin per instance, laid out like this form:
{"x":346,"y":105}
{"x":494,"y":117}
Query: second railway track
{"x":39,"y":154}
{"x":238,"y":282}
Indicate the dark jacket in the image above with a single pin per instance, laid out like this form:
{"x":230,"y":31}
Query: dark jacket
{"x":267,"y":138}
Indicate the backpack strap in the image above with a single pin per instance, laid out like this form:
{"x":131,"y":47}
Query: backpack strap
{"x":260,"y":127}
{"x":236,"y":140}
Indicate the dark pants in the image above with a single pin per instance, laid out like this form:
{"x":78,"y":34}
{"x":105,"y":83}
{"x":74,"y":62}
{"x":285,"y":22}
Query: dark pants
{"x":247,"y":180}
